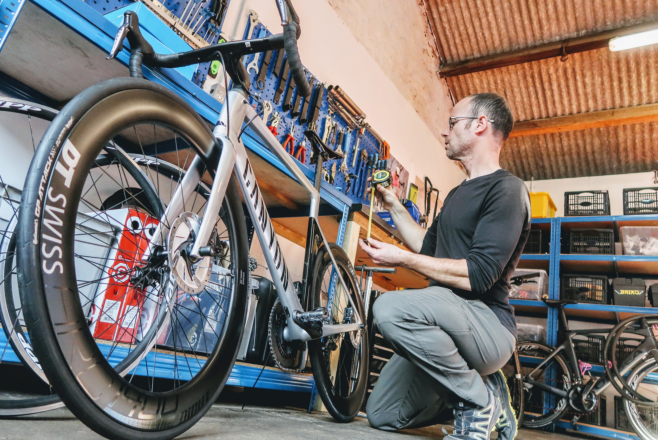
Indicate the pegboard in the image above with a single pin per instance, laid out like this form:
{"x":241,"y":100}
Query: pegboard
{"x":367,"y":141}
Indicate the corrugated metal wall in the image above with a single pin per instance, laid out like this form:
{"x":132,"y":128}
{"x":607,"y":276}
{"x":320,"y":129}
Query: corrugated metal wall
{"x":584,"y":82}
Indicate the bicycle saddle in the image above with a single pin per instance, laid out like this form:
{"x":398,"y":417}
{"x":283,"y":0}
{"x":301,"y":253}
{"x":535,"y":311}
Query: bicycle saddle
{"x":319,"y":147}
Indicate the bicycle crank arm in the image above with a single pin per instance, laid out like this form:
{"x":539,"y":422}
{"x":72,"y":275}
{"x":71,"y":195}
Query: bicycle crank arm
{"x":556,"y":391}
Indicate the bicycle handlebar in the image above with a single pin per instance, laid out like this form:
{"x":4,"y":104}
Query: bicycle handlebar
{"x":142,"y":52}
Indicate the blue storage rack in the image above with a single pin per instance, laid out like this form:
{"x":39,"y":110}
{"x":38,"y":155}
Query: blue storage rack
{"x":614,"y":264}
{"x":88,"y":22}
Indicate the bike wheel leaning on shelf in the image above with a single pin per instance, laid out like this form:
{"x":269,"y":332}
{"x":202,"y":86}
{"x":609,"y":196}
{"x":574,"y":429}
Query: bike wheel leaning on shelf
{"x":65,"y":259}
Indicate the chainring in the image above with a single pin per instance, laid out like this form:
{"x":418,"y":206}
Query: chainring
{"x":287,"y":355}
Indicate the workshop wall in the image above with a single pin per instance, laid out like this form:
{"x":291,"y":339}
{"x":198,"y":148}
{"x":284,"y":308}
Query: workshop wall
{"x":333,"y":54}
{"x":615,"y":184}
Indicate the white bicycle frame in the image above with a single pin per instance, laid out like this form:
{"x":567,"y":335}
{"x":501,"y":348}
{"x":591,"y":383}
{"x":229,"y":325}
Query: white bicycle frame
{"x":234,"y":157}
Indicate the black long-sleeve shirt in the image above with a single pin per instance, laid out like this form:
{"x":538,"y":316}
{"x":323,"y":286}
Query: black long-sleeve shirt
{"x":485,"y":221}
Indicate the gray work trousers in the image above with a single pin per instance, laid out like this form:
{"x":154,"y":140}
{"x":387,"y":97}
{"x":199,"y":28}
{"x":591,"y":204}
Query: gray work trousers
{"x":442,"y":343}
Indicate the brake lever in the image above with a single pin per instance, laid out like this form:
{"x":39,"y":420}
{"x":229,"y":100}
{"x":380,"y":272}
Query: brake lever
{"x":120,"y":36}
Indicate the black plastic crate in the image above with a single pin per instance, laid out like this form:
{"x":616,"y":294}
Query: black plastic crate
{"x":579,"y":203}
{"x":592,"y":241}
{"x":640,"y":201}
{"x":533,"y":245}
{"x":648,"y":415}
{"x":589,"y":349}
{"x":626,"y":346}
{"x":584,"y":288}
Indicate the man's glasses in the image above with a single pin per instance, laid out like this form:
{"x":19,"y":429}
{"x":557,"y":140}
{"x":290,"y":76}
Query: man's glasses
{"x":454,"y":119}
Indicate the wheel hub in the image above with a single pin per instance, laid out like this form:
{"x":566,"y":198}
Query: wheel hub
{"x":190,"y":274}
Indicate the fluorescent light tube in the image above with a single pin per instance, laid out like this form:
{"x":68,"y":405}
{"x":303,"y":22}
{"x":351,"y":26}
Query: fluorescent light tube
{"x":634,"y":40}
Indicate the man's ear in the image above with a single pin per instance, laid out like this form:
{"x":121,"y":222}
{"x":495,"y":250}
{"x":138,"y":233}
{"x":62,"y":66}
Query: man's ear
{"x":482,"y":124}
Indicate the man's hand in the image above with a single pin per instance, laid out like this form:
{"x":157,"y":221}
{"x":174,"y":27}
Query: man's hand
{"x":389,"y":198}
{"x":384,"y":254}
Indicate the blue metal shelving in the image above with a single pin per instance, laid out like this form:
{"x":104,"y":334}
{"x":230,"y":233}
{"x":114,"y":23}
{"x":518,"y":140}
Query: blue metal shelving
{"x":93,"y":26}
{"x":648,"y":265}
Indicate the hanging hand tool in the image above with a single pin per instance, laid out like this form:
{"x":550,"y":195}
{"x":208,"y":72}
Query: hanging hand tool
{"x":253,"y":65}
{"x":301,"y":152}
{"x":301,"y":104}
{"x":303,"y":112}
{"x":193,"y":15}
{"x":296,"y":103}
{"x":316,"y":105}
{"x":275,"y":122}
{"x":267,"y":111}
{"x":287,"y":96}
{"x":385,"y":150}
{"x":341,"y":138}
{"x":283,"y":79}
{"x":348,"y":181}
{"x":355,"y":149}
{"x":253,"y":21}
{"x":290,"y":140}
{"x":187,"y":7}
{"x":333,"y":173}
{"x":206,"y":14}
{"x":328,"y":126}
{"x":336,"y":130}
{"x":379,"y":177}
{"x":363,"y":154}
{"x":262,"y":74}
{"x":371,"y":168}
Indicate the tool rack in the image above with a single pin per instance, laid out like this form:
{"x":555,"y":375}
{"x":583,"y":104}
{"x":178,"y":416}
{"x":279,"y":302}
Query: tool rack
{"x":556,"y":263}
{"x":50,"y":50}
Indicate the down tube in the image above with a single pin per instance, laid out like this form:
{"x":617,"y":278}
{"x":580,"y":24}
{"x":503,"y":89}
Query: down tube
{"x":268,"y":241}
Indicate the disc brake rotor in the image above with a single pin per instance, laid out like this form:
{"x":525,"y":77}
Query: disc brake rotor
{"x":191,"y":276}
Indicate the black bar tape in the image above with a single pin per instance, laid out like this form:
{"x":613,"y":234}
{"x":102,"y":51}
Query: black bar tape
{"x":294,"y":61}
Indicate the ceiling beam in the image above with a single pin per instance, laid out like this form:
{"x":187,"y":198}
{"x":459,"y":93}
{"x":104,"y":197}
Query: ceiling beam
{"x":583,"y":121}
{"x":548,"y":50}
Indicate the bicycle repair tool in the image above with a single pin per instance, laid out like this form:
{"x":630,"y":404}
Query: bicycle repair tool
{"x":341,"y":138}
{"x":345,"y":107}
{"x":316,"y":104}
{"x":290,"y":140}
{"x":267,"y":111}
{"x":348,"y":180}
{"x":275,"y":123}
{"x":283,"y":79}
{"x":355,"y":149}
{"x":253,"y":21}
{"x":301,"y":104}
{"x":363,"y":158}
{"x":372,"y":160}
{"x":303,"y":112}
{"x":253,"y":65}
{"x":262,"y":74}
{"x":296,"y":103}
{"x":333,"y":173}
{"x":385,"y":150}
{"x":287,"y":95}
{"x":301,"y":152}
{"x":379,"y":177}
{"x":428,"y":199}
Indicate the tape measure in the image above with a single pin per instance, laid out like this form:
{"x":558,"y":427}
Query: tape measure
{"x":379,"y":177}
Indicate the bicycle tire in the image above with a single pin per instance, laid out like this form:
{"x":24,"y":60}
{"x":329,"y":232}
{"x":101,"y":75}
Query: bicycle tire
{"x":635,"y":378}
{"x":341,"y":403}
{"x":13,"y":405}
{"x":530,"y":418}
{"x":87,"y":123}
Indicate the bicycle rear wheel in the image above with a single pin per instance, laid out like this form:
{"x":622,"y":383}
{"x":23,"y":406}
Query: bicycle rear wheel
{"x":92,"y":299}
{"x":541,"y":408}
{"x":643,"y":418}
{"x":339,"y":362}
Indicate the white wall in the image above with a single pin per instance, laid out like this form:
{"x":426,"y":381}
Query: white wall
{"x":333,"y":54}
{"x":615,"y":184}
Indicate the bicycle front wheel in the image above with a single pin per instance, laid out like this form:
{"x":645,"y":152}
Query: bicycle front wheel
{"x":93,"y":300}
{"x":339,"y":362}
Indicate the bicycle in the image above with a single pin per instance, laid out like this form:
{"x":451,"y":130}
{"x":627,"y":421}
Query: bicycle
{"x":10,"y":305}
{"x":184,"y":254}
{"x":554,"y":381}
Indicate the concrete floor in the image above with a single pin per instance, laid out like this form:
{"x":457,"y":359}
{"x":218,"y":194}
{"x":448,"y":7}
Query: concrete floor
{"x":230,"y":421}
